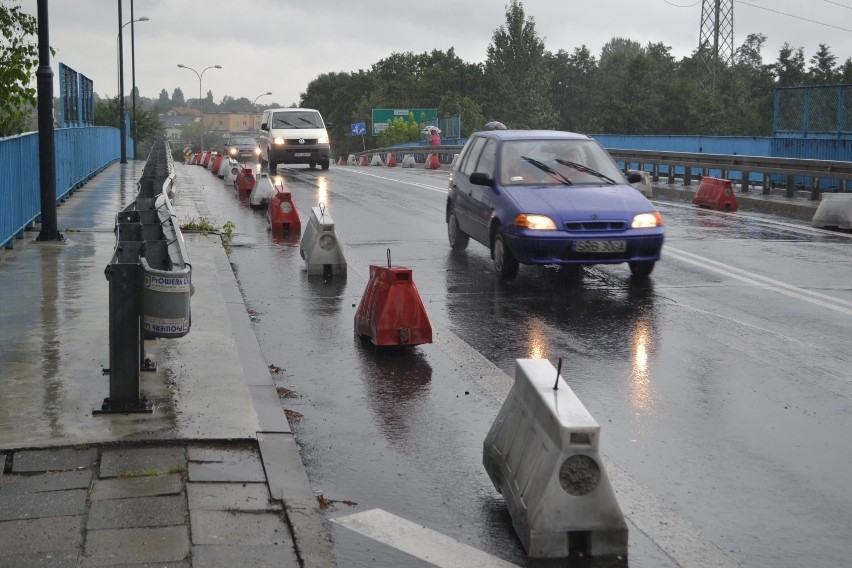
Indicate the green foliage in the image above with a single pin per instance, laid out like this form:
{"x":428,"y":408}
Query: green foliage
{"x":400,"y":131}
{"x":148,"y":124}
{"x":18,"y":61}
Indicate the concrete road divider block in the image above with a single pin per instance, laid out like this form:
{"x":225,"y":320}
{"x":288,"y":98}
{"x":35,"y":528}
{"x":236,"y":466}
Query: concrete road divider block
{"x":432,"y":162}
{"x":281,"y":211}
{"x":376,"y":160}
{"x":542,"y":455}
{"x":644,"y":186}
{"x":408,"y":161}
{"x":231,"y":173}
{"x":320,"y":246}
{"x":216,"y":162}
{"x":245,"y":181}
{"x":834,"y":210}
{"x":716,"y":194}
{"x":264,"y":189}
{"x":390,"y":161}
{"x":352,"y":160}
{"x":391,"y":311}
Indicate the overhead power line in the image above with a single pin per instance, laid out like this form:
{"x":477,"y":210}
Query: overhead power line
{"x":797,"y":17}
{"x":839,"y":4}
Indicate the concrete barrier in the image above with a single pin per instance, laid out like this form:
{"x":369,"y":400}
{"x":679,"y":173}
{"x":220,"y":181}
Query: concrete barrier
{"x":408,"y":161}
{"x":644,"y":186}
{"x":320,"y":247}
{"x":834,"y":210}
{"x":542,"y":455}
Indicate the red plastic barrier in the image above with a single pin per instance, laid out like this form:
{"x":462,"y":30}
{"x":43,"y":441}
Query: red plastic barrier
{"x":432,"y":162}
{"x":391,"y":312}
{"x":391,"y":161}
{"x":206,"y":158}
{"x":364,"y":161}
{"x":217,"y":161}
{"x":244,"y":181}
{"x":342,"y":160}
{"x":282,"y":214}
{"x":716,"y":193}
{"x":197,"y":160}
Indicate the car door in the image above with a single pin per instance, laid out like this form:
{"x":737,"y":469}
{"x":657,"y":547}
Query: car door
{"x":462,"y":189}
{"x":482,"y":196}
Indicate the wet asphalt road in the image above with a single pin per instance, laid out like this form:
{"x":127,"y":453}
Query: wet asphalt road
{"x":722,"y":385}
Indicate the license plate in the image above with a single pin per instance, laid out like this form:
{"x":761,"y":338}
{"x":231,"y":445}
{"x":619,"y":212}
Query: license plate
{"x":600,"y":246}
{"x":302,"y":154}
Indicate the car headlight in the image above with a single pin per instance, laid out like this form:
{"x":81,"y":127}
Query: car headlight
{"x":647,"y":220}
{"x":257,"y":151}
{"x":323,"y":140}
{"x":233,"y":151}
{"x":278,"y":140}
{"x":535,"y":222}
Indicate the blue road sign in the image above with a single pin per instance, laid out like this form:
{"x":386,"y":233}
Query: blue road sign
{"x":359,"y":129}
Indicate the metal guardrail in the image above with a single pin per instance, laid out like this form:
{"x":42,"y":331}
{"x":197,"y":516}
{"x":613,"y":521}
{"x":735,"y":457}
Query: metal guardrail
{"x":762,"y":171}
{"x":150,"y":283}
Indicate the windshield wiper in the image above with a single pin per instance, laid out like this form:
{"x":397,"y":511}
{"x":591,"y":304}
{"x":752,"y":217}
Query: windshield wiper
{"x":586,"y":170}
{"x":308,"y":121}
{"x":544,"y":167}
{"x":282,"y":121}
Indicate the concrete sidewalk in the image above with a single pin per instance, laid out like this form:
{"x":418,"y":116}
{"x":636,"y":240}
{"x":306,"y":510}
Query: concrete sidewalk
{"x":212,"y":477}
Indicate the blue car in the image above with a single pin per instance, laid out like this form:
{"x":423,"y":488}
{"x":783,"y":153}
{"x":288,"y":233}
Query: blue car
{"x":549,"y":197}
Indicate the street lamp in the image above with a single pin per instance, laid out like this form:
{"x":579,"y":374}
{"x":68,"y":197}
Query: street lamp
{"x":133,"y":76}
{"x":121,"y":125}
{"x":200,"y":75}
{"x":253,"y":111}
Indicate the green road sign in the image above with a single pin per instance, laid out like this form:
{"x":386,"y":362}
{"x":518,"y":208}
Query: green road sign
{"x":381,"y":116}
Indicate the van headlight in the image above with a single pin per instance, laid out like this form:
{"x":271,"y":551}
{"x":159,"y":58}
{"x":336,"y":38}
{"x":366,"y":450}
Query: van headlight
{"x":279,"y":140}
{"x":323,"y":140}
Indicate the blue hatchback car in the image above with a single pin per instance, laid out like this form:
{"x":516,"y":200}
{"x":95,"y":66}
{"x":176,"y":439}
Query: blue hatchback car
{"x":549,"y":197}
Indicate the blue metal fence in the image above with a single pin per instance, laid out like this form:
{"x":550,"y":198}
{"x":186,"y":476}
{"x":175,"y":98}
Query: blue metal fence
{"x":80,"y":154}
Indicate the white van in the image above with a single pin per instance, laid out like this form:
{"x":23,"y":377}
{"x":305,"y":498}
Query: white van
{"x":293,"y":136}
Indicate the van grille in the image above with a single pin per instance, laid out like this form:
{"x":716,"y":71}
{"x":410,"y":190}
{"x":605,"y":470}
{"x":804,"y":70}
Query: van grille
{"x":295,"y":142}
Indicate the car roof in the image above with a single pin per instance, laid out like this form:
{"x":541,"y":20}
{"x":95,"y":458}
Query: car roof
{"x":533,"y":135}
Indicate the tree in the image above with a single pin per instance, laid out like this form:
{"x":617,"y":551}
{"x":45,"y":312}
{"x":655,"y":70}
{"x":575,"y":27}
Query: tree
{"x":789,"y":70}
{"x":177,"y":98}
{"x":147,"y":122}
{"x":823,"y":69}
{"x":517,"y":75}
{"x":18,"y":61}
{"x":163,"y":102}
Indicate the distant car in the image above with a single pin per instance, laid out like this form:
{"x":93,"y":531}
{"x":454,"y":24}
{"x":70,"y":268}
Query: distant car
{"x":242,"y":148}
{"x":549,"y":197}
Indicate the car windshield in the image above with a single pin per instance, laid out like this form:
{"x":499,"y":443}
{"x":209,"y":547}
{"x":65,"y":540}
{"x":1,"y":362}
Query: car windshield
{"x":562,"y":161}
{"x":242,"y":142}
{"x":296,"y":119}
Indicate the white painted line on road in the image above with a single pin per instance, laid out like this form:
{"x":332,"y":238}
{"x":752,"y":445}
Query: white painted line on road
{"x":418,"y":541}
{"x":822,"y":300}
{"x":396,"y":180}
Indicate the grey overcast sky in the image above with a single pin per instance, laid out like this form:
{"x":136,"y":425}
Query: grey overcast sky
{"x":281,"y":45}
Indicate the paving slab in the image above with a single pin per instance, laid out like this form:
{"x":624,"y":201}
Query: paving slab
{"x":42,"y":505}
{"x":261,"y":556}
{"x":248,"y":472}
{"x":222,"y":527}
{"x":136,"y":546}
{"x":129,"y":487}
{"x":53,"y":460}
{"x":232,"y":454}
{"x":230,"y":497}
{"x":34,"y":536}
{"x":139,"y":512}
{"x":41,"y":482}
{"x":59,"y":559}
{"x":117,"y":461}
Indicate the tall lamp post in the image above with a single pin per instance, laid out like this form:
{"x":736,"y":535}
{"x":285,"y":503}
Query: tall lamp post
{"x":133,"y":78}
{"x":121,"y":125}
{"x":253,"y":109}
{"x":200,"y":75}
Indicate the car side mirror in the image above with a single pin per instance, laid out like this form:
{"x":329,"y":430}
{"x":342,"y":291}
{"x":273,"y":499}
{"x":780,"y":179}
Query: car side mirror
{"x":264,"y":127}
{"x":633,"y":176}
{"x":329,"y":124}
{"x":480,"y":178}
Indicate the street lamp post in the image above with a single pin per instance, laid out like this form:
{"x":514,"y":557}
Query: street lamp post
{"x":254,"y":110}
{"x":133,"y":78}
{"x":200,"y":75}
{"x":121,"y":124}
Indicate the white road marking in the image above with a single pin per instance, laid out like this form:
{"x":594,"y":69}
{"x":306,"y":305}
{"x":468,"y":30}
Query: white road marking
{"x":396,"y":180}
{"x":418,"y":541}
{"x":822,"y":300}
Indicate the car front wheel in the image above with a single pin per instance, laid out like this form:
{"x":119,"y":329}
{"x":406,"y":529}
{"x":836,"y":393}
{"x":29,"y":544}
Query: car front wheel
{"x":505,"y":262}
{"x":458,"y":238}
{"x":641,"y":269}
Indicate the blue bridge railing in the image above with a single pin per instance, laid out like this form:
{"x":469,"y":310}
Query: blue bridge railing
{"x":80,"y":154}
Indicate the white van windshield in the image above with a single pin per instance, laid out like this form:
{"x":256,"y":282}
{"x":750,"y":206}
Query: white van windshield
{"x":296,"y":119}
